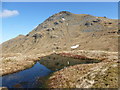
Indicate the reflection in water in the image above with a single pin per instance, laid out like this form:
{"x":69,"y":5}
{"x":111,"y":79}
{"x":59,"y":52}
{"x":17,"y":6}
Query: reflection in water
{"x":26,"y":78}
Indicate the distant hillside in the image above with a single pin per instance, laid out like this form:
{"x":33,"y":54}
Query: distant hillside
{"x":63,"y":30}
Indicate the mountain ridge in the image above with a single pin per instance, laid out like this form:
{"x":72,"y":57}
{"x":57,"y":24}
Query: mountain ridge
{"x":63,"y":30}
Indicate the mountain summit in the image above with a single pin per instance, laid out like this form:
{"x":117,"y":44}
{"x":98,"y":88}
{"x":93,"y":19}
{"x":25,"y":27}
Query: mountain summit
{"x":64,"y":30}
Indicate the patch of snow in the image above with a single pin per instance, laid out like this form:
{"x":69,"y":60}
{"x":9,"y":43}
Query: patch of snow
{"x":73,"y":47}
{"x":63,"y":19}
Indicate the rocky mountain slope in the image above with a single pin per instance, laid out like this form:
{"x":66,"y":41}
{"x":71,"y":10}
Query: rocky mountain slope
{"x":63,"y":30}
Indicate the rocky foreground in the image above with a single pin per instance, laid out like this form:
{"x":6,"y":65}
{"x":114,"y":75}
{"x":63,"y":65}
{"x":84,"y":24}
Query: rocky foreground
{"x":94,"y":75}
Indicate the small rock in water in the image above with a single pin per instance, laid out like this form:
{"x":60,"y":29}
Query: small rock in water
{"x":68,"y":62}
{"x":17,"y":86}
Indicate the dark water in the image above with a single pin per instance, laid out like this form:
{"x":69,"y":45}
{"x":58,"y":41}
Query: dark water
{"x":26,"y":78}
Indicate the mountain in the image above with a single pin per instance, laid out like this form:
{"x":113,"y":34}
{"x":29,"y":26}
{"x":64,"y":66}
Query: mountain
{"x":63,"y":30}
